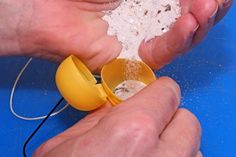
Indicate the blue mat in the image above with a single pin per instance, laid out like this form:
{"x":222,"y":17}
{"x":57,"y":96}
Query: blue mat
{"x":207,"y":76}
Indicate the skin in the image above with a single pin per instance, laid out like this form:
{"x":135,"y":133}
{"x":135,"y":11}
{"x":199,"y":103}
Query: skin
{"x":150,"y":123}
{"x":53,"y":29}
{"x":198,"y":17}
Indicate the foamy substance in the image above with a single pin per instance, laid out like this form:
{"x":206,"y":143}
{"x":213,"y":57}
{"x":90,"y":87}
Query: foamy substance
{"x":137,"y":20}
{"x":128,"y":88}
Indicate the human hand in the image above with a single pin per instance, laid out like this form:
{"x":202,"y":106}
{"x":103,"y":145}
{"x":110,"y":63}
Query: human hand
{"x":54,"y":29}
{"x":146,"y":125}
{"x":198,"y":17}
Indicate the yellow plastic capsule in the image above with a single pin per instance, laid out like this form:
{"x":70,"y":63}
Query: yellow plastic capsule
{"x":80,"y":89}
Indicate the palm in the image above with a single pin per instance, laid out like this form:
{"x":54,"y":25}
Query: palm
{"x":64,"y":27}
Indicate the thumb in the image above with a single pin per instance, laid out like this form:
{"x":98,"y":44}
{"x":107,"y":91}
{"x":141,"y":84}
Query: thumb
{"x":161,"y":50}
{"x":104,"y":50}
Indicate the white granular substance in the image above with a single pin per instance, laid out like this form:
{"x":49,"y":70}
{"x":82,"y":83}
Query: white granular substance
{"x":128,"y":88}
{"x":137,"y":20}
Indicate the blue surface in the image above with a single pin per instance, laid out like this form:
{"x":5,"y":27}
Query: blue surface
{"x":207,"y":76}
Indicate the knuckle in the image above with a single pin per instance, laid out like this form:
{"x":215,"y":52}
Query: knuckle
{"x":171,"y":98}
{"x":191,"y":22}
{"x":172,"y":83}
{"x":171,"y":92}
{"x":42,"y":149}
{"x":192,"y":121}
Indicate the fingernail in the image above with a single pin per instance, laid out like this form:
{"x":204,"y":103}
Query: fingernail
{"x":227,"y":3}
{"x":196,"y":28}
{"x":212,"y":17}
{"x":191,"y":35}
{"x":193,"y":32}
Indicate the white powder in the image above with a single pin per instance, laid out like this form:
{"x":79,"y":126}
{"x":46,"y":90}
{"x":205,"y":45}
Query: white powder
{"x":132,"y":22}
{"x":132,"y":69}
{"x":137,"y":20}
{"x":128,"y":88}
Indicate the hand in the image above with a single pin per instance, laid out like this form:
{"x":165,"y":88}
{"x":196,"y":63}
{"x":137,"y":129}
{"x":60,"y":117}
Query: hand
{"x":198,"y":17}
{"x":53,"y":29}
{"x":146,"y":125}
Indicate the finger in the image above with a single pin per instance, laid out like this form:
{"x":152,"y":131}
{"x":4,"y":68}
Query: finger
{"x":224,"y":6}
{"x":182,"y":135}
{"x":65,"y":149}
{"x":185,"y":6}
{"x":199,"y":154}
{"x":104,"y":50}
{"x":205,"y":13}
{"x":162,"y":50}
{"x":96,"y":5}
{"x":152,"y":107}
{"x":95,"y":49}
{"x":78,"y":129}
